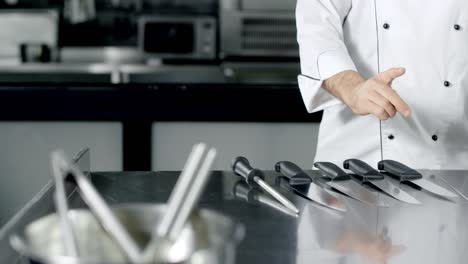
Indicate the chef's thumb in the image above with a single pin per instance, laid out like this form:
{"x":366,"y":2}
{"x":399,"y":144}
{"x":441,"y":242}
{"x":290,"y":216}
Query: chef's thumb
{"x":391,"y":74}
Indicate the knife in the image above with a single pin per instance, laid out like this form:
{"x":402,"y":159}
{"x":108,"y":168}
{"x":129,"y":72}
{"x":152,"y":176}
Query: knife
{"x":367,"y":174}
{"x":312,"y":191}
{"x":295,"y":174}
{"x":457,"y":181}
{"x":342,"y":182}
{"x":404,"y":173}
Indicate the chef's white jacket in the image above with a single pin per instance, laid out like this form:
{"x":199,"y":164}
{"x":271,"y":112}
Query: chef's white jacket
{"x":427,"y":37}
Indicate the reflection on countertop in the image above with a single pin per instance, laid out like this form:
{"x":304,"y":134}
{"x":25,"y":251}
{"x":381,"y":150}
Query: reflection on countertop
{"x":435,"y":232}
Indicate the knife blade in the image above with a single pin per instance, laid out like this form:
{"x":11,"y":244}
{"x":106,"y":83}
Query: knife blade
{"x":312,"y":191}
{"x":367,"y":174}
{"x":342,"y":182}
{"x":457,"y":181}
{"x":405,"y":174}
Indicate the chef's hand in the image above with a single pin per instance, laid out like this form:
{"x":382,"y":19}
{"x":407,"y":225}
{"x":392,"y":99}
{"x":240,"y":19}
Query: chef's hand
{"x":373,"y":96}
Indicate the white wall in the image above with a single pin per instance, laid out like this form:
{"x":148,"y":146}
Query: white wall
{"x":262,"y":143}
{"x":25,"y":148}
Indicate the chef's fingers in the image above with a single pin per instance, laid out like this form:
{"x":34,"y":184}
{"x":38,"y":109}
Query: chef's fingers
{"x":395,"y":251}
{"x":385,"y":247}
{"x":395,"y":100}
{"x":391,"y":74}
{"x":383,"y":102}
{"x":382,"y":244}
{"x":378,"y":111}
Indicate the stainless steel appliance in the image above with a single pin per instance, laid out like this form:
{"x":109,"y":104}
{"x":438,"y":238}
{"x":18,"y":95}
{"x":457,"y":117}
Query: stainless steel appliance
{"x":209,"y":237}
{"x":178,"y":37}
{"x":258,"y":28}
{"x":175,"y":232}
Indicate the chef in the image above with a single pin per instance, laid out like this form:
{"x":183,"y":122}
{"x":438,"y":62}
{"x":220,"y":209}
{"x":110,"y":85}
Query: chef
{"x":391,"y":78}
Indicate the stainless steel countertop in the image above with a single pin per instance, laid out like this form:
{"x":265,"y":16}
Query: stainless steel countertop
{"x":435,"y":232}
{"x":91,"y":68}
{"x":59,"y":72}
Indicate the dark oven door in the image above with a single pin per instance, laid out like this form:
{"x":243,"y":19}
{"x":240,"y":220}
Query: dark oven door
{"x":169,"y":37}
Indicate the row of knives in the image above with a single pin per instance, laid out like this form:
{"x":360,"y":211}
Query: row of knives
{"x":362,"y":182}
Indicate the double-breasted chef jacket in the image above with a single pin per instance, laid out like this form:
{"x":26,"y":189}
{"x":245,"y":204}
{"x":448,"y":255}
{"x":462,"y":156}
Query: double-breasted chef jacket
{"x":427,"y":37}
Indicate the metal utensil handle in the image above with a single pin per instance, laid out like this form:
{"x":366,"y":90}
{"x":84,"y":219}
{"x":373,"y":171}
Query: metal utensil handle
{"x":193,"y":196}
{"x":105,"y":215}
{"x":60,"y":199}
{"x":180,"y":191}
{"x":241,"y":167}
{"x":178,"y":199}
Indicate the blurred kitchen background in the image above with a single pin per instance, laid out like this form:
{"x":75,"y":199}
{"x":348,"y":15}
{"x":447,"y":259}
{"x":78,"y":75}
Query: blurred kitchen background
{"x":140,"y":81}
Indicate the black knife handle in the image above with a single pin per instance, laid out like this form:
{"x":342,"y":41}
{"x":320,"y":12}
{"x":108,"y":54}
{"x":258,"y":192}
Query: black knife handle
{"x":332,"y":171}
{"x":398,"y":170}
{"x":243,"y":191}
{"x":362,"y":170}
{"x":293,"y":172}
{"x":241,"y":167}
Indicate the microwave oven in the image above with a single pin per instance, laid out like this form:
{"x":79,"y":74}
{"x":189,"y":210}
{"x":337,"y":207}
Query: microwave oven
{"x":178,"y":37}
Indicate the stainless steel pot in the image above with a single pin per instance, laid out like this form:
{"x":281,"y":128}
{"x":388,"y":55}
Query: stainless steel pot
{"x":208,"y":238}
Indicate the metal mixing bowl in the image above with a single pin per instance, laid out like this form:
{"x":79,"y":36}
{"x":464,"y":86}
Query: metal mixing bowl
{"x":209,"y":237}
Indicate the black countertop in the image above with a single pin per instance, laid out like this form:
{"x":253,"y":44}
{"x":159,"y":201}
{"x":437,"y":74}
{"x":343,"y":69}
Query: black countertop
{"x":435,"y":232}
{"x":153,"y":102}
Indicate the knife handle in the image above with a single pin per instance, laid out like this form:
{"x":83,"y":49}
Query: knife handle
{"x":293,"y":172}
{"x":332,"y":171}
{"x":241,"y":167}
{"x":243,"y":191}
{"x":398,"y":170}
{"x":363,"y":170}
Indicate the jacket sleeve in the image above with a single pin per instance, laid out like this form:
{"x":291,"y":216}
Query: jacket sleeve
{"x":322,"y":49}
